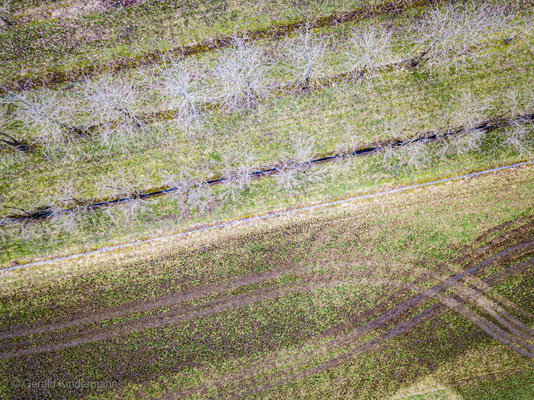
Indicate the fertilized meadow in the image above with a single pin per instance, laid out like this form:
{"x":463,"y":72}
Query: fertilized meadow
{"x":272,"y":199}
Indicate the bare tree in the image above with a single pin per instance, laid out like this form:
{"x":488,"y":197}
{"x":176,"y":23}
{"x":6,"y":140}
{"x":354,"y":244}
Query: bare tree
{"x":467,"y":111}
{"x":132,"y":210}
{"x":66,"y":221}
{"x":367,"y":49}
{"x":237,"y":173}
{"x":304,"y":57}
{"x":452,"y":33}
{"x":126,"y":186}
{"x":461,"y":143}
{"x":396,"y":127}
{"x":45,"y":112}
{"x":112,"y":99}
{"x":292,"y":171}
{"x":182,"y":90}
{"x":122,"y":184}
{"x":200,"y":199}
{"x":241,"y":74}
{"x":520,"y":102}
{"x":191,"y":194}
{"x":413,"y":156}
{"x":115,"y":136}
{"x":64,"y":210}
{"x":516,"y":138}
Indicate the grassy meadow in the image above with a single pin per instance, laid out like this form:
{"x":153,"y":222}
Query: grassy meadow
{"x":123,"y":121}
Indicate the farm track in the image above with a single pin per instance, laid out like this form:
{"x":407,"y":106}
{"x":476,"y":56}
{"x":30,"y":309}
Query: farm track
{"x":273,"y":32}
{"x":85,"y":206}
{"x":84,"y":336}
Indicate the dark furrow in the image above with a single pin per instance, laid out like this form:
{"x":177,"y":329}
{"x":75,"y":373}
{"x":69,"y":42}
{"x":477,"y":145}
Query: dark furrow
{"x":311,"y":281}
{"x":400,"y":329}
{"x":486,"y":126}
{"x":215,"y":307}
{"x":171,"y":299}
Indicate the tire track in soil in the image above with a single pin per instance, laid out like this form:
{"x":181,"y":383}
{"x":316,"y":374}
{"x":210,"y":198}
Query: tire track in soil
{"x":467,"y":255}
{"x":171,"y":299}
{"x":205,"y":310}
{"x":227,"y":304}
{"x":344,"y":340}
{"x":160,"y":321}
{"x":174,"y":299}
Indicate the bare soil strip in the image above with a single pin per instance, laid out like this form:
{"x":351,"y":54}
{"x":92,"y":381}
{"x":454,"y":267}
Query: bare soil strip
{"x":280,"y":30}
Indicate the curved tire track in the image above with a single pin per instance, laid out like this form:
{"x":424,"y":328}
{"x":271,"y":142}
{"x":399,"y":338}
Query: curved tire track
{"x":197,"y":293}
{"x":401,"y":328}
{"x":218,"y":306}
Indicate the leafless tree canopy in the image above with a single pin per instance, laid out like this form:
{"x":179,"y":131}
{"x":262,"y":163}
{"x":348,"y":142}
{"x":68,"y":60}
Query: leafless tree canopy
{"x":305,"y":57}
{"x":241,"y":75}
{"x":367,"y":49}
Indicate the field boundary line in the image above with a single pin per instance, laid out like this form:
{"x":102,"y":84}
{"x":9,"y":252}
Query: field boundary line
{"x":270,"y":215}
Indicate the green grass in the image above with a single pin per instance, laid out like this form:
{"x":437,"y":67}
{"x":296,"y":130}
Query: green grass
{"x":368,"y":237}
{"x":322,"y":183}
{"x":228,"y":311}
{"x":331,"y":119}
{"x":335,"y":63}
{"x":66,"y":44}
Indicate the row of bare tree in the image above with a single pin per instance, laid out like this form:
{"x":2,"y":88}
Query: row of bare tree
{"x":245,"y":74}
